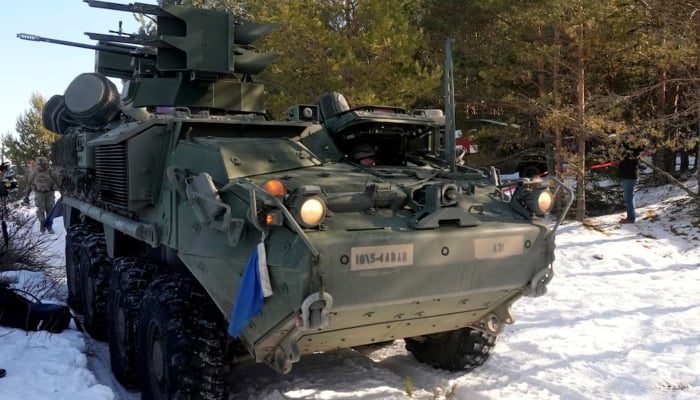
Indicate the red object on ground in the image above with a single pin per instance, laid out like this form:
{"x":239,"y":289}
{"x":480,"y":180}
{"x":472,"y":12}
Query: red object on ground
{"x":604,"y":165}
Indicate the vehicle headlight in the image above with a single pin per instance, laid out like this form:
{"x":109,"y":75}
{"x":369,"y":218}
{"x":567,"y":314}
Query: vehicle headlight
{"x":540,"y":202}
{"x":308,"y":206}
{"x":545,"y":201}
{"x":310,"y":211}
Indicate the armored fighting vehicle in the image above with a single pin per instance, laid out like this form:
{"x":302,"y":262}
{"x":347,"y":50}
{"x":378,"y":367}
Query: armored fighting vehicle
{"x":201,"y":233}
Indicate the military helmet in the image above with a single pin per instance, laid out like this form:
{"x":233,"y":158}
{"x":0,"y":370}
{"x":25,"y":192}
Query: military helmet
{"x":42,"y":161}
{"x":363,"y":151}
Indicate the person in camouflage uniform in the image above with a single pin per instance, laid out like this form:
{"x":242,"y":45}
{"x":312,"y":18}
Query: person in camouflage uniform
{"x":43,"y":182}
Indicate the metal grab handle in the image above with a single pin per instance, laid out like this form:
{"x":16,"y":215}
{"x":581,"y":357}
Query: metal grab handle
{"x":561,"y":185}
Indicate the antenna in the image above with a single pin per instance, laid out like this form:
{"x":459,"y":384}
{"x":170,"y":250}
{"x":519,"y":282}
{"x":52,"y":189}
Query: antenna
{"x":450,"y":128}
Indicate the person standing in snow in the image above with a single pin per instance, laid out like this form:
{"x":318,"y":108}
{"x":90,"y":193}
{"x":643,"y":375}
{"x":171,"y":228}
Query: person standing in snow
{"x":44,"y":183}
{"x":629,"y":174}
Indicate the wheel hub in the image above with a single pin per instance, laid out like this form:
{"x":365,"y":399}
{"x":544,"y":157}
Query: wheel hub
{"x":120,"y":324}
{"x":89,"y":296}
{"x":156,"y":362}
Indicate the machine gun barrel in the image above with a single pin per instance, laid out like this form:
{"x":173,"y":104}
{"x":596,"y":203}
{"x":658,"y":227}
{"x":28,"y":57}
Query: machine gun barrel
{"x":138,"y":8}
{"x":36,"y":38}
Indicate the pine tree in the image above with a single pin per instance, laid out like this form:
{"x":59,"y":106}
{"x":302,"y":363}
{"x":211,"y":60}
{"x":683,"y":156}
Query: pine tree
{"x":32,"y":139}
{"x":372,"y":51}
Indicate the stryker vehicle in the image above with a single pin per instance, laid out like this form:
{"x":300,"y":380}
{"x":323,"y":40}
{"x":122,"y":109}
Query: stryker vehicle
{"x":201,"y":234}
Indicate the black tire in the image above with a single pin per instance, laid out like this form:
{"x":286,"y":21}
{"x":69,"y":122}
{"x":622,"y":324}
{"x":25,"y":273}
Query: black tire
{"x":331,"y":104}
{"x":95,"y":266}
{"x":92,"y":99}
{"x":74,"y":237}
{"x":51,"y":108}
{"x":182,"y":342}
{"x":128,"y":281}
{"x":458,"y":350}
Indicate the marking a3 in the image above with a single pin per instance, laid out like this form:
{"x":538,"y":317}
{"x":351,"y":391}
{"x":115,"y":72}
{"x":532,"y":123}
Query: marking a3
{"x":498,"y":247}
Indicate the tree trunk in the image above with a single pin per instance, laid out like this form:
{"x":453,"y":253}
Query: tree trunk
{"x":581,"y":130}
{"x":663,"y":156}
{"x":557,"y":131}
{"x":697,"y":147}
{"x":548,"y":133}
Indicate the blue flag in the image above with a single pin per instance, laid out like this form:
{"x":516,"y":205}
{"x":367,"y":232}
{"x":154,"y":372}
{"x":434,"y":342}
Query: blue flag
{"x":56,"y":211}
{"x":250,"y":298}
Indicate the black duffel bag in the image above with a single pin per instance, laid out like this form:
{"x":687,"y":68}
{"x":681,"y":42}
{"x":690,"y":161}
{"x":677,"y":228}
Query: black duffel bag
{"x":16,"y":311}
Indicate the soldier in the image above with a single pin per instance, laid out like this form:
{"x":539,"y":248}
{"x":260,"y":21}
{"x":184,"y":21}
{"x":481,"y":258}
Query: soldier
{"x":43,"y":182}
{"x":364,"y":154}
{"x":629,"y":174}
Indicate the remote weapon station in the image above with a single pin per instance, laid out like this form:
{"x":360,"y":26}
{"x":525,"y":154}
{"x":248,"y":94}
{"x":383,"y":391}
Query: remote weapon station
{"x":201,"y":233}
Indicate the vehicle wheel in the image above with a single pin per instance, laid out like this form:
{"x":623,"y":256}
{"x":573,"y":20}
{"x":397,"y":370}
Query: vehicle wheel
{"x":94,"y":268}
{"x":52,"y":105}
{"x":128,"y":281}
{"x":74,"y":237}
{"x":181,"y":345}
{"x":458,"y":350}
{"x":529,"y":172}
{"x":92,"y":99}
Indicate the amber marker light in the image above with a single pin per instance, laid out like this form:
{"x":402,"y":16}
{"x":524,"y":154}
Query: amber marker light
{"x":275,"y":187}
{"x":274,"y":218}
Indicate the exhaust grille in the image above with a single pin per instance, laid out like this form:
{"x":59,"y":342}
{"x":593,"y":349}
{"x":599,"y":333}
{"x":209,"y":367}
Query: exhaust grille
{"x":112,"y":174}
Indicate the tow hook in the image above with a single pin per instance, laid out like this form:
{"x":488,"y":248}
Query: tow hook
{"x":538,"y":284}
{"x":495,"y":321}
{"x":315,"y":311}
{"x":286,"y":353}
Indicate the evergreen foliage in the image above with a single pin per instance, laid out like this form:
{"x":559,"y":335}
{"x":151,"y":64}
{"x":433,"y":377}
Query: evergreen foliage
{"x":32,"y":139}
{"x":571,"y":74}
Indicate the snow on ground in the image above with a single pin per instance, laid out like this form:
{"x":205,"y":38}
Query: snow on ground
{"x":41,"y":365}
{"x":620,"y":321}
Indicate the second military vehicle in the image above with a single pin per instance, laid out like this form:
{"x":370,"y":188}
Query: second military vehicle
{"x":200,"y":233}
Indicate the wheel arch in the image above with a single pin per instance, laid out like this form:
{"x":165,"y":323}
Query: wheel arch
{"x":120,"y":244}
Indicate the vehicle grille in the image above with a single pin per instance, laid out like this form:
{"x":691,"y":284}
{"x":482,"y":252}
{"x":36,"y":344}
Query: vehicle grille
{"x":112,"y":174}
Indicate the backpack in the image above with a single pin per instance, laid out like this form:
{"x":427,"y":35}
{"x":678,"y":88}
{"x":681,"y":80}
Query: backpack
{"x":16,"y":311}
{"x":43,"y":182}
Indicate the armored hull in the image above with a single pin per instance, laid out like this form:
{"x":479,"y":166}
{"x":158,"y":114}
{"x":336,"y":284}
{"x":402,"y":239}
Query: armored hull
{"x":385,"y":262}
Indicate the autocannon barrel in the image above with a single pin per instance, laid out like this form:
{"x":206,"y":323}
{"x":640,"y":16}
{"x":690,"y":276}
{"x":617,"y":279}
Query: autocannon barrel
{"x":109,"y":49}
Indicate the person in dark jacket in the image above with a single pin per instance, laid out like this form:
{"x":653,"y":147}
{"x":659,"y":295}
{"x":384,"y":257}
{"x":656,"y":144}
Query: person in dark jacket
{"x":629,"y":175}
